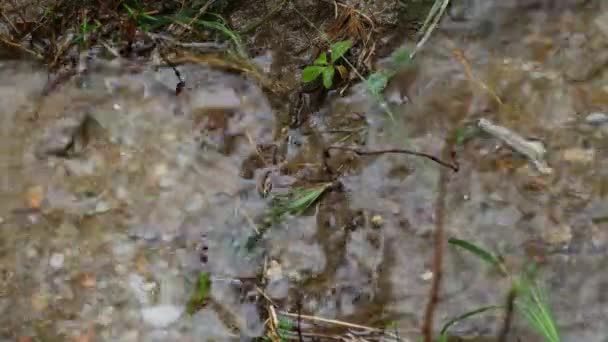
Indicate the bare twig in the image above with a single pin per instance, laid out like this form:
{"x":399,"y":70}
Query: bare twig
{"x":9,"y":22}
{"x":202,"y":11}
{"x":21,"y":47}
{"x":439,"y":242}
{"x":336,"y":322}
{"x":431,"y":28}
{"x":506,"y":326}
{"x":451,"y":165}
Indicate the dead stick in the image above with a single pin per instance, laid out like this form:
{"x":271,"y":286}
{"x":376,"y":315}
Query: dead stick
{"x":453,"y":165}
{"x":439,"y":245}
{"x":506,"y":326}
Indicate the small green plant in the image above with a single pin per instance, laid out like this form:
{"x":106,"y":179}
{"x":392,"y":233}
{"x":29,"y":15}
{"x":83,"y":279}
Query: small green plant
{"x":327,"y":68}
{"x":530,"y":302}
{"x":201,"y":293}
{"x":86,"y":28}
{"x":140,"y":17}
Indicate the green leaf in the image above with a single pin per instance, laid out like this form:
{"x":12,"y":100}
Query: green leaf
{"x":149,"y":17}
{"x":484,"y":255}
{"x":376,"y":82}
{"x":443,"y":335}
{"x":285,"y":324}
{"x":402,"y":57}
{"x":130,"y":10}
{"x":310,"y":73}
{"x":328,"y":77}
{"x":321,"y":60}
{"x":465,"y":133}
{"x":201,"y":293}
{"x":339,"y":49}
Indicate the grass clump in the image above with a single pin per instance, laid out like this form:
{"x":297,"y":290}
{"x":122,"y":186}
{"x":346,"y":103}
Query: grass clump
{"x":530,"y":299}
{"x":201,"y":293}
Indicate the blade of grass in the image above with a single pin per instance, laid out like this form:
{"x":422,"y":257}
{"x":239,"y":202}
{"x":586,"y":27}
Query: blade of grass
{"x":481,"y":253}
{"x":443,"y":334}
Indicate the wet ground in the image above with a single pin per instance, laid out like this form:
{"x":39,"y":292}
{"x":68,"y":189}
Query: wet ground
{"x":116,"y":193}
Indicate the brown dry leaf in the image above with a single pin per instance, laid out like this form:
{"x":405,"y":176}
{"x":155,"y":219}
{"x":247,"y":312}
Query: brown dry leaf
{"x":342,"y":71}
{"x":34,"y":196}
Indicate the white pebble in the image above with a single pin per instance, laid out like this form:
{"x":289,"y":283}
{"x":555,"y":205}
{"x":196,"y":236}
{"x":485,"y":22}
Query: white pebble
{"x":56,"y":260}
{"x":161,"y":316}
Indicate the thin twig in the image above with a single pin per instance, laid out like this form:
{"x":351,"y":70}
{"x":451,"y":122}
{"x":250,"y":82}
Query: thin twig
{"x":10,"y":23}
{"x":19,"y":46}
{"x":439,"y":243}
{"x":510,"y":307}
{"x":451,"y":165}
{"x":202,"y":11}
{"x":335,"y":322}
{"x":430,"y":29}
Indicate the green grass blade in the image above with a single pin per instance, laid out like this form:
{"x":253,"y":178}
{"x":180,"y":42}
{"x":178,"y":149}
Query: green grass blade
{"x":484,"y":255}
{"x":444,"y":330}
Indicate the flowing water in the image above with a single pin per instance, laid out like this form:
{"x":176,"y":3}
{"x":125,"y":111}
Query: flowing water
{"x":115,"y":193}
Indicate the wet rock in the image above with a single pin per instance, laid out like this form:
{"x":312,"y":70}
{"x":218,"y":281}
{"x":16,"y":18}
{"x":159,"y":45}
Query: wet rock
{"x":208,"y":326}
{"x":278,"y":289}
{"x":161,"y":316}
{"x":59,"y":138}
{"x":253,"y":326}
{"x":303,"y":258}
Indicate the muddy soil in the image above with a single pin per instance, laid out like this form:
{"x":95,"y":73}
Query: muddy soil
{"x":116,"y":193}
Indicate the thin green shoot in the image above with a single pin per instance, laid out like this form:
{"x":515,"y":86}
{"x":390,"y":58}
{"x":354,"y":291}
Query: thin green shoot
{"x":443,"y":334}
{"x":489,"y":257}
{"x":533,"y":306}
{"x":201,"y":293}
{"x":85,"y":30}
{"x":219,"y":25}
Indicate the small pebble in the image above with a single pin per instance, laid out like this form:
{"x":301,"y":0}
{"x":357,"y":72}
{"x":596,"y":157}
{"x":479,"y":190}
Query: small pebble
{"x":426,"y":276}
{"x":377,"y":221}
{"x":56,"y":260}
{"x":596,"y":118}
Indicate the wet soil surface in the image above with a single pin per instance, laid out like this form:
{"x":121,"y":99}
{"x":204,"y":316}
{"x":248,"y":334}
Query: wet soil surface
{"x":116,"y":193}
